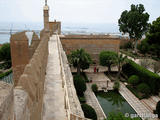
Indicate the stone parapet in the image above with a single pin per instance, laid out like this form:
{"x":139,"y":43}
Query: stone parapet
{"x":6,"y":101}
{"x":72,"y":104}
{"x":31,"y":83}
{"x":21,"y":110}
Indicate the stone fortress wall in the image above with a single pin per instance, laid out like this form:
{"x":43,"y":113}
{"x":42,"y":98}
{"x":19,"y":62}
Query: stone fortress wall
{"x":23,"y":100}
{"x":93,"y":44}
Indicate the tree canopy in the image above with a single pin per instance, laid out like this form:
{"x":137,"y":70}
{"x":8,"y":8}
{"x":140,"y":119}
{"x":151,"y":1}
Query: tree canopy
{"x":80,"y":59}
{"x":153,"y":37}
{"x":134,"y":22}
{"x":107,"y":58}
{"x":5,"y":54}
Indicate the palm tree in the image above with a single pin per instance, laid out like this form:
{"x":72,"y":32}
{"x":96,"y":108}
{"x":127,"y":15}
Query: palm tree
{"x":79,"y":58}
{"x":120,"y":61}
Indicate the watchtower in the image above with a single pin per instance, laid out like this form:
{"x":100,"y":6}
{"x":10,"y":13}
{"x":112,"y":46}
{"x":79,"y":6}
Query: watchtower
{"x":46,"y":17}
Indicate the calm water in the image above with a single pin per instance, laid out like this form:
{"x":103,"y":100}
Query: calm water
{"x":67,"y":28}
{"x":114,"y":102}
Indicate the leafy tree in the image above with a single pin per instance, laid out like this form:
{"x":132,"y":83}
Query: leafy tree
{"x":79,"y":84}
{"x":120,"y":60}
{"x":5,"y":55}
{"x":134,"y":22}
{"x":153,"y":37}
{"x":80,"y":59}
{"x":89,"y":112}
{"x":107,"y":58}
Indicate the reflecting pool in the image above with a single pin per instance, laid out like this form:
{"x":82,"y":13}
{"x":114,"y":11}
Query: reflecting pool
{"x":113,"y":102}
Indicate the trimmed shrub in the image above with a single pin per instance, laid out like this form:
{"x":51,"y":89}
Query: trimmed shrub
{"x":144,"y":88}
{"x":134,"y":80}
{"x":94,"y":88}
{"x":79,"y":84}
{"x":158,"y":109}
{"x":89,"y":112}
{"x":146,"y":76}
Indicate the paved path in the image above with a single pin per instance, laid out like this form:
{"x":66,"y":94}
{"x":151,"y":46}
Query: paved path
{"x":92,"y":101}
{"x":101,"y":80}
{"x":134,"y":102}
{"x":54,"y":93}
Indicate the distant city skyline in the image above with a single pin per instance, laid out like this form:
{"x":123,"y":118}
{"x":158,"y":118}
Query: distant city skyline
{"x":73,"y":11}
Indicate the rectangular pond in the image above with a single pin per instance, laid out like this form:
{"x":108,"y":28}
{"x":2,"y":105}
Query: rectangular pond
{"x":113,"y":102}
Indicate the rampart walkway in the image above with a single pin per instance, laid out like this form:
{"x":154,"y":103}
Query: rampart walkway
{"x":54,"y":93}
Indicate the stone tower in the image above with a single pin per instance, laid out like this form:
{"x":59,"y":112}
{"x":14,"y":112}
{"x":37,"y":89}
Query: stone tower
{"x":46,"y":17}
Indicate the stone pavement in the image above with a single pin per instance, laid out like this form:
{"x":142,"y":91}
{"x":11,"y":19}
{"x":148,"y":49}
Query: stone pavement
{"x":136,"y":104}
{"x":151,"y":102}
{"x":101,"y":80}
{"x":53,"y":106}
{"x":92,"y":101}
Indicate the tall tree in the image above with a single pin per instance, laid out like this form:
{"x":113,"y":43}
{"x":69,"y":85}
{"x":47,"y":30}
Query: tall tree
{"x":134,"y":22}
{"x":153,"y":37}
{"x":80,"y":59}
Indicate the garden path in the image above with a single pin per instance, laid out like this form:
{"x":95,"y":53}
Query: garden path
{"x":91,"y":100}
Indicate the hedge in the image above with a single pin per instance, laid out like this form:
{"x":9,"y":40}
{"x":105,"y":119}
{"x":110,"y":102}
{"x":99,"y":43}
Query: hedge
{"x":145,"y":76}
{"x":5,"y":74}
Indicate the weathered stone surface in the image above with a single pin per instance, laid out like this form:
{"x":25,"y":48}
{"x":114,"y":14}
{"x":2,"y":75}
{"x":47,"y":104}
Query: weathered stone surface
{"x":19,"y":54}
{"x":6,"y":101}
{"x":21,"y":111}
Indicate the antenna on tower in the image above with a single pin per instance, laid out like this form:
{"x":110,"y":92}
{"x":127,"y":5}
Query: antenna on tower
{"x":45,"y":2}
{"x":11,"y":29}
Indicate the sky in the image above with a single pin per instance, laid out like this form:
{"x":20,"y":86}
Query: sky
{"x":73,"y":11}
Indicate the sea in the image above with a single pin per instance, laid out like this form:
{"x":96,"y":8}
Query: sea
{"x":6,"y":29}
